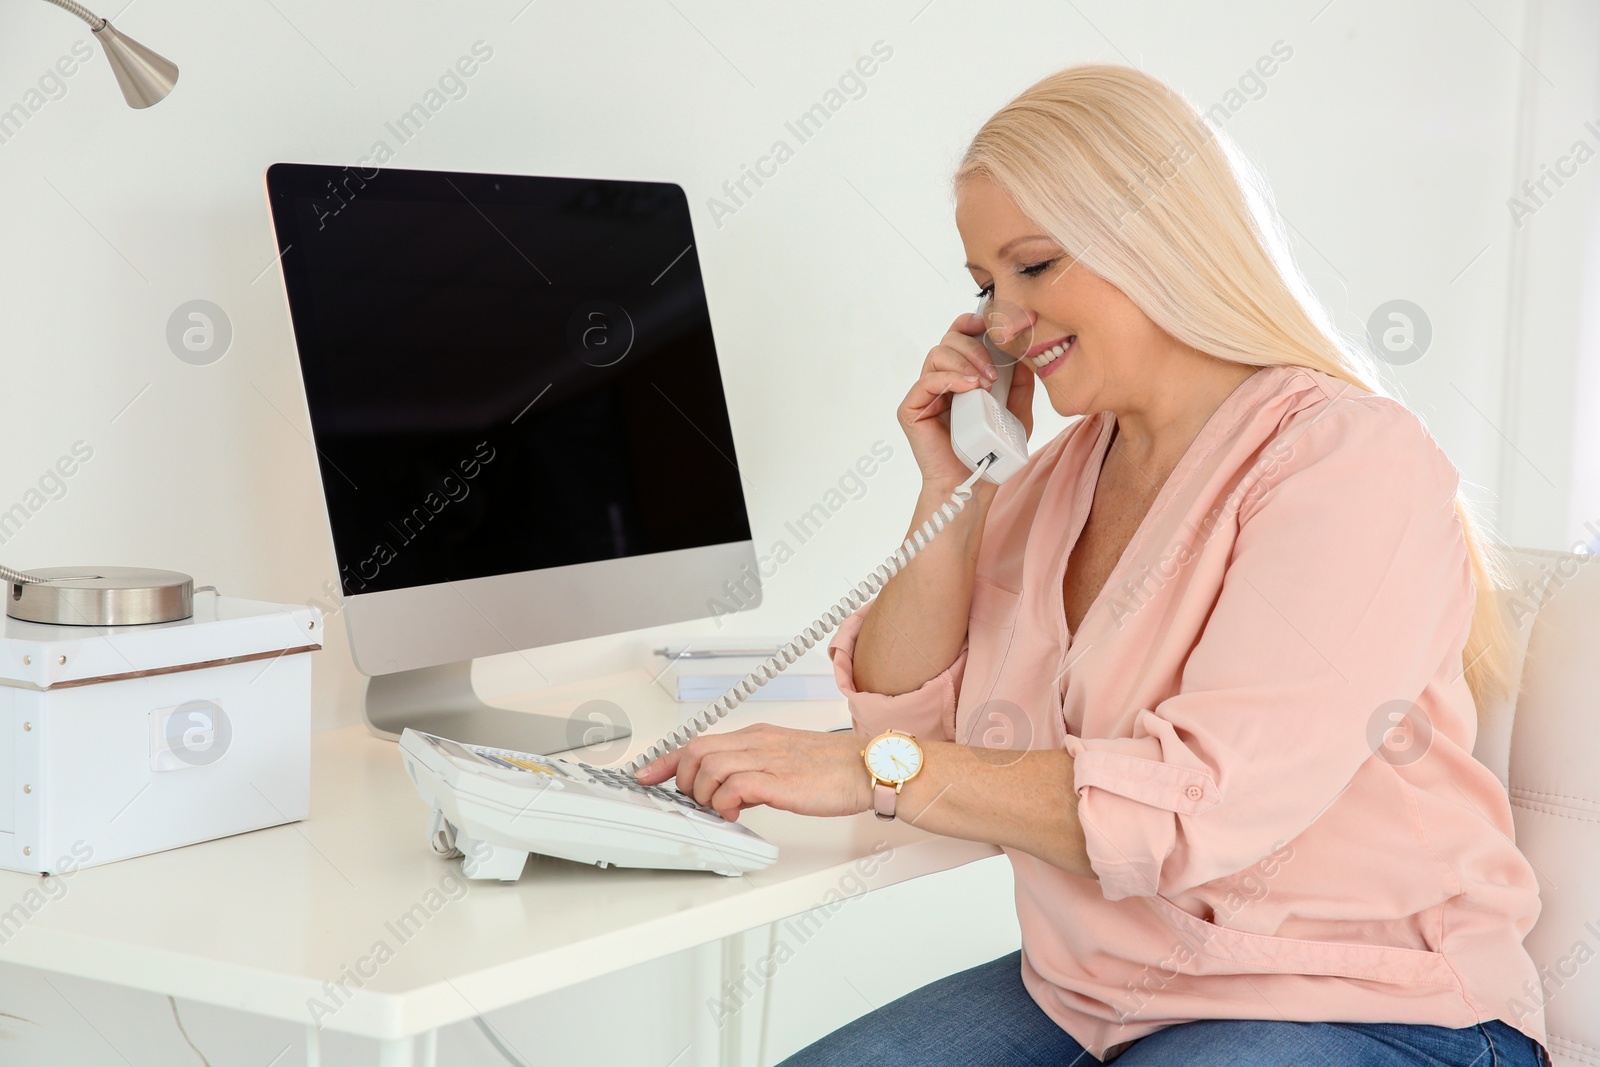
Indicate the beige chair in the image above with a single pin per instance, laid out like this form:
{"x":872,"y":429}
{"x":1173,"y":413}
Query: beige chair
{"x":1545,"y":747}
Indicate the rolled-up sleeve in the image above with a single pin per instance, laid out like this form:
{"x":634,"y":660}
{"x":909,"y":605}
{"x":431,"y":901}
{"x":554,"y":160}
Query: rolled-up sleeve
{"x":928,"y":712}
{"x":1347,"y":588}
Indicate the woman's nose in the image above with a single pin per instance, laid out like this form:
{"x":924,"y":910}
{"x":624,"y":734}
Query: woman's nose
{"x":1007,"y":323}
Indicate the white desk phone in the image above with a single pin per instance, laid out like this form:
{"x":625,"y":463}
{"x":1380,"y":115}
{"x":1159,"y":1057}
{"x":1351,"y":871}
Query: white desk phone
{"x":492,"y":806}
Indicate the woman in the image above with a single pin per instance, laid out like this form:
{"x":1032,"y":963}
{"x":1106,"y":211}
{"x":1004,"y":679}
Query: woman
{"x":1230,"y":630}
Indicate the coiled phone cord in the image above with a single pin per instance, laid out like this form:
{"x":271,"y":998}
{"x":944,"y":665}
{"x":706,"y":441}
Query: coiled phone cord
{"x":819,"y":628}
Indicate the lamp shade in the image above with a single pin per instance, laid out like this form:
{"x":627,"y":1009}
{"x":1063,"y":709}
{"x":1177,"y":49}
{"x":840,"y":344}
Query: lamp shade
{"x":144,"y":76}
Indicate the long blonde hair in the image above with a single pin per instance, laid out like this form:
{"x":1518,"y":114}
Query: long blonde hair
{"x":1124,"y":172}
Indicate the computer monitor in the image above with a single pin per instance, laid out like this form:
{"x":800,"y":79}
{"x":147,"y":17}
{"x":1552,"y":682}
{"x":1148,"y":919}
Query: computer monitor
{"x":519,"y":422}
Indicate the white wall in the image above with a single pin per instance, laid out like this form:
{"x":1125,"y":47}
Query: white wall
{"x":1548,"y":477}
{"x":1391,"y":137}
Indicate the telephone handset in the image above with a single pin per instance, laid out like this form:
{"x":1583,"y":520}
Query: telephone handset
{"x":981,"y":424}
{"x":988,"y":439}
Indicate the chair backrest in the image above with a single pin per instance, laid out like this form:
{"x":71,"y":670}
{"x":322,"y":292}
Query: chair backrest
{"x":1544,"y":745}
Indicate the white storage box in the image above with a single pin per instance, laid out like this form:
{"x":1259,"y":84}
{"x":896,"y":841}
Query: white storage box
{"x":120,"y":741}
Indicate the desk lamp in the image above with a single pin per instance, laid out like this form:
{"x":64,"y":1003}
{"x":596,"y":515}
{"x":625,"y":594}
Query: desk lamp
{"x":144,"y":76}
{"x":107,"y":596}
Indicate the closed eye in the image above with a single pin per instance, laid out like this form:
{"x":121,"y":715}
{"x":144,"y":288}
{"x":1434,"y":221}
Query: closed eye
{"x":1030,"y":271}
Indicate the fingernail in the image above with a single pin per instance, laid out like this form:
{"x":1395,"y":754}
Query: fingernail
{"x":971,"y":377}
{"x":991,"y":372}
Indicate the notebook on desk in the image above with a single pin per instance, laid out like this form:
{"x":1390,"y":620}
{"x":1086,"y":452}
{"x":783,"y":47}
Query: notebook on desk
{"x":700,"y":672}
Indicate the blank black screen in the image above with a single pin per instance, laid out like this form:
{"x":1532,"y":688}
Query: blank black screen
{"x":504,"y":373}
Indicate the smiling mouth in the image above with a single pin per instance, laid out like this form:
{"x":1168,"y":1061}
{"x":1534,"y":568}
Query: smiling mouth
{"x":1051,"y":354}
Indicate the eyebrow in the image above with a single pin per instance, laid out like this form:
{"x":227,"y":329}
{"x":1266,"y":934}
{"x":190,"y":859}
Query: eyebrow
{"x":1015,"y":241}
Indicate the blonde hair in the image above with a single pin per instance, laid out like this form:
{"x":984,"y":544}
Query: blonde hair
{"x":1123,"y":172}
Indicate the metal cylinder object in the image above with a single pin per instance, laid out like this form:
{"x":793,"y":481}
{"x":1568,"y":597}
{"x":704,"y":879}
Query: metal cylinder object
{"x":101,"y":596}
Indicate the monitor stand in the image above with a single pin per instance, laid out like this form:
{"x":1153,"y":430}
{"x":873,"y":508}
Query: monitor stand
{"x":440,"y":700}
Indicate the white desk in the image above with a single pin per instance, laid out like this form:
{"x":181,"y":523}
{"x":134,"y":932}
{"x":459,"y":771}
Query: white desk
{"x":262,"y":921}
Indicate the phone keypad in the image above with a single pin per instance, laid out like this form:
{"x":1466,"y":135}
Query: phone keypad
{"x":623,"y":780}
{"x":605,"y":776}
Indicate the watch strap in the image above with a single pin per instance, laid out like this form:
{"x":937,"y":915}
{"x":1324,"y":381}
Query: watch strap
{"x":883,"y":800}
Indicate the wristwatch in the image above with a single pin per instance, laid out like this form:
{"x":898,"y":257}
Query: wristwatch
{"x":893,"y":759}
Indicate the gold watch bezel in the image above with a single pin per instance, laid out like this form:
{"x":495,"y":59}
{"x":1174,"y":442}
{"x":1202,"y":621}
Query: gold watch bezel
{"x":921,"y":763}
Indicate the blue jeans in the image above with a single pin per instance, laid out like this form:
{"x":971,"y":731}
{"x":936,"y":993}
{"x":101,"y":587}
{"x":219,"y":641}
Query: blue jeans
{"x":985,"y":1018}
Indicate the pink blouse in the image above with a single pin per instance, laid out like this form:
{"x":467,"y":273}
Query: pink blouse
{"x":1271,"y":733}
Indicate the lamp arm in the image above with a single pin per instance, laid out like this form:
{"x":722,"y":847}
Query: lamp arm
{"x":95,"y":21}
{"x":17,"y":577}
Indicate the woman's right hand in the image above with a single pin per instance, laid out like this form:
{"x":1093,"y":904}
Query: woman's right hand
{"x":958,"y":363}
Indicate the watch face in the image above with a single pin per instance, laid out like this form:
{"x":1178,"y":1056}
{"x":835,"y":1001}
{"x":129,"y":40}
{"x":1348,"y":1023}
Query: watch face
{"x":894,"y":758}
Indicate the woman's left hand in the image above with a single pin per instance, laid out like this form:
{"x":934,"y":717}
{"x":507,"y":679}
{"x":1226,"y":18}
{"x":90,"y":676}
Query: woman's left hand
{"x":802,"y":771}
